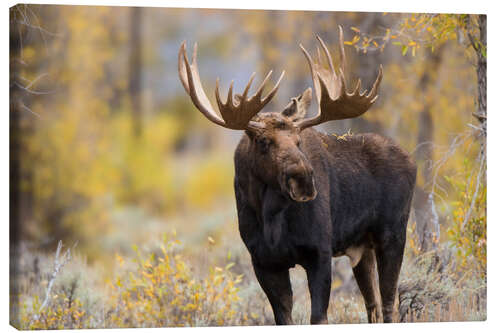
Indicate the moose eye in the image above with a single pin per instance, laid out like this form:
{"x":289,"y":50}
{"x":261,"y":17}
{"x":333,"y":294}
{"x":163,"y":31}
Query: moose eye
{"x":280,"y":125}
{"x":263,"y":145}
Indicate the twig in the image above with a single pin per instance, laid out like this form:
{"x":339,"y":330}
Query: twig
{"x":456,"y":143}
{"x":39,"y":27}
{"x":34,"y":92}
{"x":59,"y":262}
{"x":434,"y":219}
{"x":31,"y":83}
{"x":474,"y":197}
{"x":421,"y":144}
{"x":24,"y":107}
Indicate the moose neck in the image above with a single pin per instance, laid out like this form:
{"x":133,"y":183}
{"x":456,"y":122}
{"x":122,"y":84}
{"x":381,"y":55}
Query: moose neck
{"x":274,"y":206}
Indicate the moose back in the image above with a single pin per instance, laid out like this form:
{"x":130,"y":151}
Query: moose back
{"x":304,"y":197}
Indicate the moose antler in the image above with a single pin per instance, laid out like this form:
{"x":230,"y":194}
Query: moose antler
{"x":334,"y":102}
{"x":235,"y":115}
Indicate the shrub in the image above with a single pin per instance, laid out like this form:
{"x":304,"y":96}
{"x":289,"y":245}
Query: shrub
{"x":468,"y":237}
{"x":158,"y":289}
{"x":162,"y":291}
{"x":64,"y":313}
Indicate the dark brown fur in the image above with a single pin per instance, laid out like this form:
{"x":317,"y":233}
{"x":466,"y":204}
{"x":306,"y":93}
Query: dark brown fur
{"x":304,"y":196}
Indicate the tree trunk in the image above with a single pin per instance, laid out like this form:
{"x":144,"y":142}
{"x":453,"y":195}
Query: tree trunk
{"x":480,"y":48}
{"x":366,"y":70}
{"x":424,"y":207}
{"x":14,"y":166}
{"x":481,"y":67}
{"x":135,"y":69}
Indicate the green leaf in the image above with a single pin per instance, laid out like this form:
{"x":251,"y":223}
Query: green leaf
{"x":483,"y":51}
{"x":404,"y":49}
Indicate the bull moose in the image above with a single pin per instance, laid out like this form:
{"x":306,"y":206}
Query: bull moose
{"x":304,"y":197}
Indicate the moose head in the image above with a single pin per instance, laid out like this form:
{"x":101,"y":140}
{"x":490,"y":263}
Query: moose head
{"x":278,"y":158}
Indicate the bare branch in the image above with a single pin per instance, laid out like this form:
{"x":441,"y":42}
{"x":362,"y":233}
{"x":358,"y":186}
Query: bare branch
{"x":24,"y":107}
{"x":59,"y":262}
{"x":34,"y":92}
{"x":36,"y":80}
{"x":457,"y":142}
{"x":474,"y":197}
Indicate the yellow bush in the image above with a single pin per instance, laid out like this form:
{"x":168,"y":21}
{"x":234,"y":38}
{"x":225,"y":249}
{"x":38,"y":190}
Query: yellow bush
{"x":162,"y":291}
{"x":143,"y":163}
{"x":209,"y":182}
{"x":70,"y":177}
{"x":80,"y":166}
{"x":157,"y":289}
{"x":63,"y":313}
{"x":469,"y":237}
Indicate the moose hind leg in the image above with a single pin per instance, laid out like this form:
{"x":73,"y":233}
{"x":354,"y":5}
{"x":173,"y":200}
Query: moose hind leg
{"x":277,"y":287}
{"x":389,"y":260}
{"x":365,"y":274}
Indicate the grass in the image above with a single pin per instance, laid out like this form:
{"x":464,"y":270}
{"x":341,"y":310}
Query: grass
{"x":200,"y":275}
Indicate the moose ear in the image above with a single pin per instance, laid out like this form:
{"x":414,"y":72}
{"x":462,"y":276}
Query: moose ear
{"x":250,"y":133}
{"x":297,"y":108}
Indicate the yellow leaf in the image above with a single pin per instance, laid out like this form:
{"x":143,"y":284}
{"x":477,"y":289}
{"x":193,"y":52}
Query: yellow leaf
{"x":119,"y":259}
{"x":336,"y":283}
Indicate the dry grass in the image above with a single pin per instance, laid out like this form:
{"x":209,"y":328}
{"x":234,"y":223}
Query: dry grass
{"x":201,"y":276}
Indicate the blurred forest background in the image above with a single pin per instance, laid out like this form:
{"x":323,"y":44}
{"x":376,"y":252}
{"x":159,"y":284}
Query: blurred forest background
{"x":112,"y":165}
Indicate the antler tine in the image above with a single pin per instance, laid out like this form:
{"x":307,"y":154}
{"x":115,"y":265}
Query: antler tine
{"x":233,"y":114}
{"x":273,"y":91}
{"x":181,"y":67}
{"x":334,"y":101}
{"x":374,"y":90}
{"x":229,"y":100}
{"x":313,"y":72}
{"x":255,"y":97}
{"x":318,"y":56}
{"x":327,"y":53}
{"x":356,"y":89}
{"x":342,"y":50}
{"x":247,"y":88}
{"x":190,"y":79}
{"x":260,"y":90}
{"x":217,"y":95}
{"x":308,"y":57}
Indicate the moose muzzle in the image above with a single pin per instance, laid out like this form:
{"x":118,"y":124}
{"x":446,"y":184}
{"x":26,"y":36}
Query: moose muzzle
{"x":299,"y":182}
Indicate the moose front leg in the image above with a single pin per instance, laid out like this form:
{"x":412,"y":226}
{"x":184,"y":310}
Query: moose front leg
{"x":319,"y":279}
{"x":277,"y":287}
